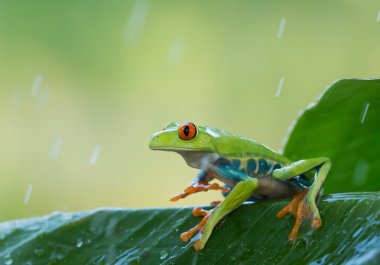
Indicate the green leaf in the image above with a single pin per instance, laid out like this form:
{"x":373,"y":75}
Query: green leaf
{"x":251,"y":234}
{"x":343,"y":125}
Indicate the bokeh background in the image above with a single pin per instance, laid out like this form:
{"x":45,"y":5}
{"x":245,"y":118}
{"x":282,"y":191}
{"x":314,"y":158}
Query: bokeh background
{"x":84,"y":84}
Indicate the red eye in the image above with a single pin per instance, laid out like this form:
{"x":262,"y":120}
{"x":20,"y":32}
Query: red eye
{"x":187,"y":131}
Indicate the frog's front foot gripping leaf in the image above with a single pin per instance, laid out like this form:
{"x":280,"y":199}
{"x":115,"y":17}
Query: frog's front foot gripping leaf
{"x":198,"y":211}
{"x":198,"y":187}
{"x":240,"y":193}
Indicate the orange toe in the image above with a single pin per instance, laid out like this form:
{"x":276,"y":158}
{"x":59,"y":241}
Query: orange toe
{"x":185,"y":236}
{"x":299,"y":208}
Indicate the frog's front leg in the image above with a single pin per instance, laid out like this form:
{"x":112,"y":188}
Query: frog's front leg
{"x":200,"y":183}
{"x":303,"y":204}
{"x":240,"y":193}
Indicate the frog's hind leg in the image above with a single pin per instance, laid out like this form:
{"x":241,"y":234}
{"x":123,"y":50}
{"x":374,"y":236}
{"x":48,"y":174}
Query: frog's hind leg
{"x":239,"y":194}
{"x":303,"y":204}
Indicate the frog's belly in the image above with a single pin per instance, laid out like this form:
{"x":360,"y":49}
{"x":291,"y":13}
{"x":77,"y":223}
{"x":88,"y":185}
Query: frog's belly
{"x":270,"y":188}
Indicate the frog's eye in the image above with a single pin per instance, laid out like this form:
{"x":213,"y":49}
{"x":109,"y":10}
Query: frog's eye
{"x":187,"y":131}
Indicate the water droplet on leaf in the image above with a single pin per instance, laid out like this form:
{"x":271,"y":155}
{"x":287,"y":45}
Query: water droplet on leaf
{"x":163,"y":254}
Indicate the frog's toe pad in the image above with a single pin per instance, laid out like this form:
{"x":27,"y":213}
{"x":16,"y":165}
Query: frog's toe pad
{"x":198,"y":245}
{"x":316,"y":222}
{"x":198,"y":211}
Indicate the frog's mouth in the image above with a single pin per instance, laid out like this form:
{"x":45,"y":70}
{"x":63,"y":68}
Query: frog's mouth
{"x":197,"y":158}
{"x":177,"y":149}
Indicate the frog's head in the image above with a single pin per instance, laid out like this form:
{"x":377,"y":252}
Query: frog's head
{"x":186,"y":137}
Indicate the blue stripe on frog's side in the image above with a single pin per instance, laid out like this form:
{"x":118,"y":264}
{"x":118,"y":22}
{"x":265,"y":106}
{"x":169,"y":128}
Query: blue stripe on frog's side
{"x":254,"y":167}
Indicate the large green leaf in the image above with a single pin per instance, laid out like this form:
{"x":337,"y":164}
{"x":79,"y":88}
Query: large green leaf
{"x":343,"y":125}
{"x":251,"y":234}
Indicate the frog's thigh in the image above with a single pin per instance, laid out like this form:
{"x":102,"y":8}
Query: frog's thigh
{"x":239,"y":194}
{"x":298,"y":168}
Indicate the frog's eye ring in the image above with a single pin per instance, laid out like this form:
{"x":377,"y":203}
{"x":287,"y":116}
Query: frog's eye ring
{"x":187,"y":131}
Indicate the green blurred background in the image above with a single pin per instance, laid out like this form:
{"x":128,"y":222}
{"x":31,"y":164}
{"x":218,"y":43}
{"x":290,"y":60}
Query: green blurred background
{"x":84,"y":84}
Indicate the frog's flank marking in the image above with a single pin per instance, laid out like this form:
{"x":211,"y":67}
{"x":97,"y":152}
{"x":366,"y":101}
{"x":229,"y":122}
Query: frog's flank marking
{"x":263,"y":166}
{"x":235,"y":163}
{"x":251,"y":166}
{"x":378,"y":16}
{"x":136,"y":21}
{"x":281,"y":28}
{"x":279,"y":88}
{"x":364,"y":112}
{"x":56,"y":147}
{"x":36,"y":84}
{"x":28,"y":193}
{"x":95,"y":155}
{"x":276,"y":166}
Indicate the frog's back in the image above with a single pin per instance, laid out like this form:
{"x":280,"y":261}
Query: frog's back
{"x":231,"y":146}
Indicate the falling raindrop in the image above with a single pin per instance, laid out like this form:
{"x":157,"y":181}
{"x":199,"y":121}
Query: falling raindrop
{"x":176,"y":51}
{"x":136,"y":21}
{"x":36,"y":84}
{"x":56,"y":147}
{"x":28,"y":193}
{"x":95,"y":155}
{"x":42,"y":100}
{"x":281,"y":28}
{"x":378,"y":16}
{"x":279,"y":88}
{"x":364,"y":112}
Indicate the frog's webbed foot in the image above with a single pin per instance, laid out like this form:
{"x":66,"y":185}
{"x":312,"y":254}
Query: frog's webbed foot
{"x":198,"y":187}
{"x":301,"y":209}
{"x":241,"y":192}
{"x":186,"y":236}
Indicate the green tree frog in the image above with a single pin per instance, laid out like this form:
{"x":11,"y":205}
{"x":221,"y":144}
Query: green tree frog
{"x":249,"y":170}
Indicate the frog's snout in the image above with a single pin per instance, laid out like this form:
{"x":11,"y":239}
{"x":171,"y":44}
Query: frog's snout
{"x":153,"y":141}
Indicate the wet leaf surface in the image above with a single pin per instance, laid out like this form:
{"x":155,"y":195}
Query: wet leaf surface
{"x":350,"y":234}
